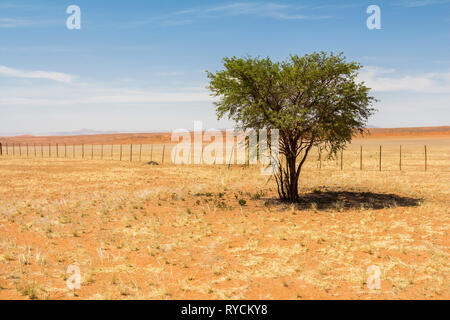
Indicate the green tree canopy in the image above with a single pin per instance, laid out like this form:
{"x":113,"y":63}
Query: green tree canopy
{"x":313,"y":100}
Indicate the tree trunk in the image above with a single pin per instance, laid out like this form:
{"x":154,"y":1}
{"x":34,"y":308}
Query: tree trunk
{"x":289,"y":173}
{"x":287,"y":180}
{"x":292,"y":179}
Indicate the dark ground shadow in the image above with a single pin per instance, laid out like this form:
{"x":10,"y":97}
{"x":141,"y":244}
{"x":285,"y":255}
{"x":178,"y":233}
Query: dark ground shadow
{"x":344,"y":200}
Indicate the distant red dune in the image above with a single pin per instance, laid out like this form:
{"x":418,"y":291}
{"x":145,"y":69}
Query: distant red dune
{"x":165,"y":137}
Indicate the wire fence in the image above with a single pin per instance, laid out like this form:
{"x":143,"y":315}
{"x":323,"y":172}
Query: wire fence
{"x":354,"y":157}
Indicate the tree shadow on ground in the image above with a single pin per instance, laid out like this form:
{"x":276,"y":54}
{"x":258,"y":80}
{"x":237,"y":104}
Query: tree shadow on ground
{"x":345,"y":200}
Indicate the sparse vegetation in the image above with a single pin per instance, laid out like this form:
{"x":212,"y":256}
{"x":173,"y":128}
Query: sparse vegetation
{"x":135,"y":239}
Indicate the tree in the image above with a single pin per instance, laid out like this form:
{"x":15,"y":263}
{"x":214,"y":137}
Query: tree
{"x":313,"y":100}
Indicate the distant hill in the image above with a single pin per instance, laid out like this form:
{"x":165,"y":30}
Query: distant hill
{"x":86,"y":136}
{"x":412,"y":132}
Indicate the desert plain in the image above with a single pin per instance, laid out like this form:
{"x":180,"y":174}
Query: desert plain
{"x":166,"y":231}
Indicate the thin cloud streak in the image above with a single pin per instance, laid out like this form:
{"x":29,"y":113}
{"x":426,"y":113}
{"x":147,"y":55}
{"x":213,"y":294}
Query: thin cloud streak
{"x":382,"y":80}
{"x":47,"y":75}
{"x":264,"y":10}
{"x":14,"y":23}
{"x":85,"y":94}
{"x":420,"y":3}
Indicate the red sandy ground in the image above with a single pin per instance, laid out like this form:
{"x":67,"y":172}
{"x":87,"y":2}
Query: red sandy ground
{"x":180,"y":232}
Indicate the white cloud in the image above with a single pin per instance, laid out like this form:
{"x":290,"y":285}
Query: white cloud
{"x":55,"y":76}
{"x":169,"y":74}
{"x":91,"y":95}
{"x":412,"y":109}
{"x":259,"y":9}
{"x":420,"y":3}
{"x":14,"y":23}
{"x":385,"y":80}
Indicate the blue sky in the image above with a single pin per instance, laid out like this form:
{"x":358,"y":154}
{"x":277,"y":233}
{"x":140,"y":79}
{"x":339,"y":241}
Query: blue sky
{"x":140,"y":65}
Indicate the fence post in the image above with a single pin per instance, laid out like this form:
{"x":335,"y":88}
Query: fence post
{"x":65,"y":150}
{"x":201,"y":156}
{"x":20,"y":150}
{"x":120,"y":153}
{"x":82,"y":151}
{"x":131,"y":152}
{"x":320,"y":157}
{"x":342,"y":160}
{"x":1,"y":149}
{"x":380,"y":159}
{"x":7,"y":152}
{"x":400,"y":163}
{"x":140,"y":152}
{"x":190,"y":159}
{"x":57,"y":151}
{"x":360,"y":159}
{"x":248,"y":151}
{"x":14,"y":151}
{"x":92,"y":152}
{"x":231,"y":156}
{"x":164,"y":149}
{"x":176,"y":154}
{"x":112,"y":152}
{"x":426,"y":160}
{"x":49,"y":150}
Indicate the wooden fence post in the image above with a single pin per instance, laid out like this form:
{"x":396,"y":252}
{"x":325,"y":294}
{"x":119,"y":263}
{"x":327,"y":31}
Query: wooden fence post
{"x":231,"y":156}
{"x":57,"y":151}
{"x":247,"y":152}
{"x":92,"y":152}
{"x":7,"y":152}
{"x":20,"y":150}
{"x":140,"y":152}
{"x":426,"y":160}
{"x":131,"y":152}
{"x":49,"y":150}
{"x":176,"y":154}
{"x":1,"y":149}
{"x":380,"y":159}
{"x":342,"y":160}
{"x":82,"y":151}
{"x":27,"y":150}
{"x":164,"y":149}
{"x":201,"y":155}
{"x":320,"y":158}
{"x":360,"y":158}
{"x":190,"y":155}
{"x":65,"y":150}
{"x":120,"y":152}
{"x":400,"y":163}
